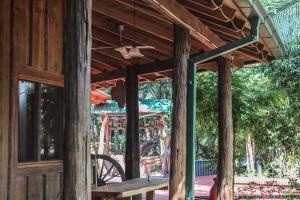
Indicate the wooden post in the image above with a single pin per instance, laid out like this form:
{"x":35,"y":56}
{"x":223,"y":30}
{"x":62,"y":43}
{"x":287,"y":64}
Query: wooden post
{"x":132,"y":154}
{"x":5,"y":65}
{"x":225,"y":158}
{"x":182,"y":45}
{"x":77,"y":57}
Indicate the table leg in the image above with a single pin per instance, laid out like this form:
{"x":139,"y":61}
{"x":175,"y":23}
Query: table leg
{"x":150,"y":195}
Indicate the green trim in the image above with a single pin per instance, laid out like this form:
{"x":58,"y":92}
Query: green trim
{"x":253,"y":37}
{"x":190,"y":140}
{"x":191,"y":98}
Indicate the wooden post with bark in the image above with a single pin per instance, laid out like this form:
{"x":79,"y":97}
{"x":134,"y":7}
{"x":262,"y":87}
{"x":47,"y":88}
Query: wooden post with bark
{"x":182,"y":45}
{"x":132,"y":154}
{"x":77,"y":57}
{"x":225,"y":173}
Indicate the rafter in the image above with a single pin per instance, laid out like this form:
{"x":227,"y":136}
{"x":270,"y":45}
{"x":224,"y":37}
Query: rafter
{"x":164,"y":47}
{"x":121,"y":15}
{"x":178,"y":14}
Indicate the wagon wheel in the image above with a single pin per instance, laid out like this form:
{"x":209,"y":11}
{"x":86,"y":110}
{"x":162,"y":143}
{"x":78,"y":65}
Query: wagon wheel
{"x":107,"y":170}
{"x":151,"y":150}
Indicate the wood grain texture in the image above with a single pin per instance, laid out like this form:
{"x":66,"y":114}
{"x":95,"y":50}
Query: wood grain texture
{"x":32,"y":74}
{"x":226,"y":135}
{"x":178,"y":140}
{"x":21,"y":32}
{"x":54,"y":39}
{"x":179,"y":14}
{"x":53,"y":186}
{"x":132,"y":153}
{"x":77,"y":58}
{"x":20,"y":193}
{"x":35,"y":187}
{"x":4,"y":93}
{"x":38,"y":34}
{"x":129,"y":188}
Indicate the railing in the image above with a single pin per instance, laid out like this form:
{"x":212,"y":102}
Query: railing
{"x":205,"y":167}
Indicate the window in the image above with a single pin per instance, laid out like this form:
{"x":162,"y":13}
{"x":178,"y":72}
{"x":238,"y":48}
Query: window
{"x":40,"y":122}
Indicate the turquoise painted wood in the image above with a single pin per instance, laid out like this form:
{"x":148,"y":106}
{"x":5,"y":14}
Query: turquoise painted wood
{"x":191,"y":131}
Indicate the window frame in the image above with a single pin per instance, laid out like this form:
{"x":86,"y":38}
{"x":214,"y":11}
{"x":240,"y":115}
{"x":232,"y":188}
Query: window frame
{"x":31,"y":74}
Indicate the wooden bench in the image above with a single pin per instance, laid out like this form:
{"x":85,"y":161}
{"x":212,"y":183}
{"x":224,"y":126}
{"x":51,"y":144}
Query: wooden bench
{"x":126,"y":189}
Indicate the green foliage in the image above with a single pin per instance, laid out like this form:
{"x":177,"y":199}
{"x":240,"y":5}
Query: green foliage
{"x":156,"y":90}
{"x":266,"y":104}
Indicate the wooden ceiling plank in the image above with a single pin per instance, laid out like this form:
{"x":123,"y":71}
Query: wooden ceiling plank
{"x":97,"y":43}
{"x":103,"y":67}
{"x":96,"y":55}
{"x":140,"y":38}
{"x":127,"y":18}
{"x":190,"y":5}
{"x":139,"y":6}
{"x":113,"y":40}
{"x":178,"y":14}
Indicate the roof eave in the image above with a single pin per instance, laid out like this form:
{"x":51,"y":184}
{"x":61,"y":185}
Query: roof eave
{"x":275,"y":44}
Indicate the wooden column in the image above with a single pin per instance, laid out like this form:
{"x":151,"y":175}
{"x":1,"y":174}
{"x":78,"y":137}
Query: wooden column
{"x":132,"y":154}
{"x":5,"y":64}
{"x":77,"y":57}
{"x":182,"y":45}
{"x":225,"y":159}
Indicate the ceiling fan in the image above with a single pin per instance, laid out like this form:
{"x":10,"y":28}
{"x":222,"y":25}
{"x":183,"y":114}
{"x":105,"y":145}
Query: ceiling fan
{"x":127,"y":51}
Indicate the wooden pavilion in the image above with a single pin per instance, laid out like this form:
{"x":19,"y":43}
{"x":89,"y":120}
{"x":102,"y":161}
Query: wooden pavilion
{"x":47,"y":68}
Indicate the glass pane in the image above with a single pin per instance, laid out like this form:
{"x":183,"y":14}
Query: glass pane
{"x":40,"y":121}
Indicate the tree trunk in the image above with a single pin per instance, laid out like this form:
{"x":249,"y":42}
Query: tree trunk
{"x":77,"y":57}
{"x":132,"y":154}
{"x":226,"y":136}
{"x":249,"y":155}
{"x":182,"y":45}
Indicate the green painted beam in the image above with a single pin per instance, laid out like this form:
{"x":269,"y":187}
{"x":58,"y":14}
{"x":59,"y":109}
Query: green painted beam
{"x":253,"y":37}
{"x":191,"y":132}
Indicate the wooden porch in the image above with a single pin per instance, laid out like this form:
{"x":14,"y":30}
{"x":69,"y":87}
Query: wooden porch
{"x":52,"y":53}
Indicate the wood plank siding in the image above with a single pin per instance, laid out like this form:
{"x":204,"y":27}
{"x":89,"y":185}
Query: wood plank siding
{"x":37,"y":35}
{"x":30,"y":49}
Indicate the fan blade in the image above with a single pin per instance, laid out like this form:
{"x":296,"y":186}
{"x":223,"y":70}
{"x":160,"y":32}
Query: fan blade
{"x":100,"y":48}
{"x":145,"y":47}
{"x":123,"y":51}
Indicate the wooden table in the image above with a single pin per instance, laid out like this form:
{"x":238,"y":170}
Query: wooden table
{"x":130,"y":188}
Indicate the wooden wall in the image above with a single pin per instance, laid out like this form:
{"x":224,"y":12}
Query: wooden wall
{"x":39,"y":187}
{"x":4,"y":94}
{"x":31,"y":49}
{"x":38,"y":35}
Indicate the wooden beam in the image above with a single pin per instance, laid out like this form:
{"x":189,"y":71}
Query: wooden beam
{"x":34,"y":74}
{"x":178,"y":140}
{"x":109,"y":10}
{"x":142,"y":38}
{"x":226,"y":136}
{"x":132,"y":153}
{"x":77,"y":57}
{"x":209,"y":12}
{"x":149,"y":68}
{"x":178,"y":14}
